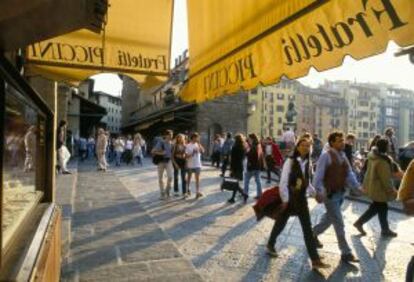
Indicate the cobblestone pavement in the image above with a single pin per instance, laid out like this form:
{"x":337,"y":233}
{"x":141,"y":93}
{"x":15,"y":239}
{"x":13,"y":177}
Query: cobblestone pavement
{"x":225,"y":243}
{"x":111,"y":237}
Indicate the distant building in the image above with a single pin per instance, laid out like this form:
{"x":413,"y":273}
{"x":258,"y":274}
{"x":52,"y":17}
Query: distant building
{"x":320,"y":111}
{"x":268,"y":107}
{"x":397,"y":111}
{"x":113,"y":105}
{"x":363,"y":101}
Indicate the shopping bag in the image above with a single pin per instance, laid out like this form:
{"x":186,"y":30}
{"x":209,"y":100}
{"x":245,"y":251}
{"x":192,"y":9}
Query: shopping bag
{"x":229,"y":184}
{"x":268,"y":204}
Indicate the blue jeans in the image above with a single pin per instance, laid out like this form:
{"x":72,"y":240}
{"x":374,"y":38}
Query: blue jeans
{"x":118,"y":158}
{"x":333,"y":216}
{"x":247,"y":176}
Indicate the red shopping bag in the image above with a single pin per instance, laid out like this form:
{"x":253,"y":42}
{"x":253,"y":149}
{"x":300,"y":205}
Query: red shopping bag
{"x":268,"y":204}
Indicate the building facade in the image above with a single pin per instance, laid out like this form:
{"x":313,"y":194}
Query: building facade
{"x":113,"y":105}
{"x":320,"y":111}
{"x":268,"y":106}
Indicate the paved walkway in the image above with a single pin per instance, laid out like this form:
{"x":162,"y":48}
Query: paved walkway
{"x":113,"y":238}
{"x":121,"y":231}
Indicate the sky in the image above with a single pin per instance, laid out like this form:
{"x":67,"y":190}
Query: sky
{"x":384,"y":68}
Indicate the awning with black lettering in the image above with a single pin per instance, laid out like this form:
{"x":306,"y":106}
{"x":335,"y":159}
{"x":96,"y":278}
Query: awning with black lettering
{"x":241,"y":44}
{"x":136,"y":42}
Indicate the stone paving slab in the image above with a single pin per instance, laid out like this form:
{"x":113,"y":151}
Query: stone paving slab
{"x":112,"y":238}
{"x":225,"y":243}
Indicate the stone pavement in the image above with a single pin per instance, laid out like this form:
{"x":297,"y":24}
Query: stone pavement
{"x":225,"y":243}
{"x":112,"y":238}
{"x":121,"y":231}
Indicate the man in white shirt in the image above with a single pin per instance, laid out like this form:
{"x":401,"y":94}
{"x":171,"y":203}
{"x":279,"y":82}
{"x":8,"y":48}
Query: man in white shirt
{"x":289,"y":138}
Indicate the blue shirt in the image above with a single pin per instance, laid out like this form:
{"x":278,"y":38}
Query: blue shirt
{"x":323,"y":163}
{"x":165,"y":146}
{"x":228,"y":144}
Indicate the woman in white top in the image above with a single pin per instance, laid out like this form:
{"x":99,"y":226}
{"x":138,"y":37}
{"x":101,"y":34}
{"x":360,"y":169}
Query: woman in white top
{"x":294,"y":185}
{"x":129,"y":144}
{"x":119,"y":149}
{"x":193,"y":152}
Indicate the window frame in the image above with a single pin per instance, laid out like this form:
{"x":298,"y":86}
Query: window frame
{"x":9,"y":75}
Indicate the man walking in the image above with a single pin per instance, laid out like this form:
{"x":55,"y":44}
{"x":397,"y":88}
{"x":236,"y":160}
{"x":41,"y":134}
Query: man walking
{"x":164,"y":148}
{"x":392,"y":143}
{"x":333,"y":173}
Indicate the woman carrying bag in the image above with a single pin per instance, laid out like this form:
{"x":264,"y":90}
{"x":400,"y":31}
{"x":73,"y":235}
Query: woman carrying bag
{"x":238,"y":153}
{"x":294,"y":184}
{"x":379,"y":187}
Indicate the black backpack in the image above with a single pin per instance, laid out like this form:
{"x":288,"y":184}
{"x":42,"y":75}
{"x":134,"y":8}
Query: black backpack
{"x":156,"y":159}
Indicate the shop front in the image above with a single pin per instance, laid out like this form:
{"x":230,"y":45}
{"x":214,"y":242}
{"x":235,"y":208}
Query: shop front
{"x":30,"y":237}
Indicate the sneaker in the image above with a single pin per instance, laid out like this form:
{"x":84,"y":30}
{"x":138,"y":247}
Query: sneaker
{"x":199,"y":195}
{"x":318,"y":264}
{"x":359,"y":227}
{"x":389,"y":233}
{"x":176,"y":194}
{"x":231,"y":201}
{"x":270,"y":250}
{"x":66,"y":172}
{"x":245,"y":197}
{"x":318,"y":243}
{"x":348,"y":258}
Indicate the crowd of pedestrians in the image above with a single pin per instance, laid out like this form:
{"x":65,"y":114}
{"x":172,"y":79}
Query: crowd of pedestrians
{"x":304,"y":166}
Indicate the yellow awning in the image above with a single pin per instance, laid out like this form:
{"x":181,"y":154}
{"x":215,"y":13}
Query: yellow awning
{"x":236,"y":44}
{"x":136,"y":42}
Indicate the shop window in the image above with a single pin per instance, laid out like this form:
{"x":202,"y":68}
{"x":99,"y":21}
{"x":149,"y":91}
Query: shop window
{"x":23,"y":161}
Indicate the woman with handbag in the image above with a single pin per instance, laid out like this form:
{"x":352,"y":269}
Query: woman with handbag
{"x":294,"y":184}
{"x":179,"y":162}
{"x":379,"y":187}
{"x":238,"y":153}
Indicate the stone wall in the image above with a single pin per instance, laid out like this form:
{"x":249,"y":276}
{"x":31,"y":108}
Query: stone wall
{"x":224,"y":114}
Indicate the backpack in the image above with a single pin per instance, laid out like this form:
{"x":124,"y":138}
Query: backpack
{"x":156,"y":159}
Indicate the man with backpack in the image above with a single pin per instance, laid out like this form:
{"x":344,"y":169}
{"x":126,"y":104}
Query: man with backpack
{"x":162,"y":153}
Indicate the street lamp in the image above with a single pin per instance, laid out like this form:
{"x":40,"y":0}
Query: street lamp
{"x":408,"y":51}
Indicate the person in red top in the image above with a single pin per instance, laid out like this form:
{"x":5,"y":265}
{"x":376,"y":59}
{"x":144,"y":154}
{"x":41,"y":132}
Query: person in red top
{"x":273,"y":158}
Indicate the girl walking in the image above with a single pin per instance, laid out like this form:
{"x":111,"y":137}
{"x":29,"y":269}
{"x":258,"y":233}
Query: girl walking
{"x":238,"y":153}
{"x":193,"y":152}
{"x":379,"y":187}
{"x":179,"y":162}
{"x":294,"y":183}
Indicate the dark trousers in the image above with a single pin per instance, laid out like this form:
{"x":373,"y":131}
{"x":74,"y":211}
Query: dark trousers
{"x":376,"y":208}
{"x":225,"y":163}
{"x":215,"y":159}
{"x":305,"y":223}
{"x":182,"y":172}
{"x":270,"y":164}
{"x":240,"y":190}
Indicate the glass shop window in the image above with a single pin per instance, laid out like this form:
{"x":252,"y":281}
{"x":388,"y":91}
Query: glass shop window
{"x":24,"y":150}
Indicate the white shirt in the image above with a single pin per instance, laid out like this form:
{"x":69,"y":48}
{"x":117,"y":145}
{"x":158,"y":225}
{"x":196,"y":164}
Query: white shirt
{"x":193,"y":150}
{"x":129,"y":144}
{"x":284,"y":179}
{"x":289,"y":137}
{"x":119,"y":145}
{"x":268,"y":150}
